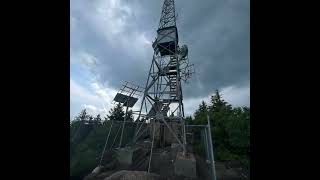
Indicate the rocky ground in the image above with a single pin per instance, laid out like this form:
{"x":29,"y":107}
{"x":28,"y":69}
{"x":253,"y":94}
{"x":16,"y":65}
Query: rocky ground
{"x":231,"y":170}
{"x":162,"y":168}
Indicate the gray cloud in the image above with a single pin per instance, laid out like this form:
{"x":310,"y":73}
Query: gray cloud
{"x":117,"y":34}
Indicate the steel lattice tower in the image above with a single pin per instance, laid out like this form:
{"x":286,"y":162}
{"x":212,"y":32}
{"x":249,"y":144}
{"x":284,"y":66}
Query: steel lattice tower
{"x":162,"y":104}
{"x":168,"y":17}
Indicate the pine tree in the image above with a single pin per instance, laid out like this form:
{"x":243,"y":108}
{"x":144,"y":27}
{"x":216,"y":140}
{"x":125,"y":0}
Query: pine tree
{"x":105,"y":121}
{"x":97,"y":119}
{"x":217,"y":103}
{"x":83,"y":116}
{"x":90,"y":119}
{"x":201,"y":113}
{"x":202,"y":109}
{"x":188,"y":119}
{"x":116,"y":113}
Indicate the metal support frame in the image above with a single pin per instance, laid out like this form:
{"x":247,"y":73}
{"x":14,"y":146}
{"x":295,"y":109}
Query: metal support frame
{"x":174,"y":134}
{"x":124,"y":122}
{"x":211,"y":152}
{"x":114,"y":140}
{"x":138,"y":136}
{"x":130,"y":90}
{"x":151,"y":148}
{"x":105,"y":145}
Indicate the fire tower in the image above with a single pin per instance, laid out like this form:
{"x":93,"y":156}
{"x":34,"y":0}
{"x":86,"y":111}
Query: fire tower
{"x":162,"y":101}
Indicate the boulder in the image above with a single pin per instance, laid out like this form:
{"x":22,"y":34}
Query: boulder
{"x":133,"y":175}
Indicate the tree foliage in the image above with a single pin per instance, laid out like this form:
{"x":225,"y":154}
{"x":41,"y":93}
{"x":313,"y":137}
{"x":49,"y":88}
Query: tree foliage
{"x":88,"y":136}
{"x":116,"y":113}
{"x":230,"y":129}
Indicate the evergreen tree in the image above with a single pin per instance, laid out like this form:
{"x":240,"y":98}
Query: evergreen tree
{"x":202,"y":108}
{"x":97,"y":119}
{"x":218,"y":104}
{"x":116,"y":113}
{"x":78,"y":122}
{"x":129,"y":116}
{"x":90,"y":119}
{"x":105,"y":121}
{"x":230,"y":133}
{"x":230,"y":129}
{"x":239,"y":131}
{"x":83,"y":116}
{"x":220,"y":114}
{"x":188,"y":120}
{"x":201,"y":114}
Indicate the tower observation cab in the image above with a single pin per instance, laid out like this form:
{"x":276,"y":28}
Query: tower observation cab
{"x":166,"y":41}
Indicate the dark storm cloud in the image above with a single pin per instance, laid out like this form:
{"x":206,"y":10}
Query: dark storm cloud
{"x":216,"y":32}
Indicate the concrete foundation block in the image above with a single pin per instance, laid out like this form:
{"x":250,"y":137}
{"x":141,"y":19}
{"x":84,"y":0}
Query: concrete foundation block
{"x":125,"y":156}
{"x":185,"y":165}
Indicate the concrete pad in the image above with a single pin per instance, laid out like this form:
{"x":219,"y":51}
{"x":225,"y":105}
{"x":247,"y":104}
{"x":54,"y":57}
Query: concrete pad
{"x":125,"y":155}
{"x":133,"y":175}
{"x":185,"y":165}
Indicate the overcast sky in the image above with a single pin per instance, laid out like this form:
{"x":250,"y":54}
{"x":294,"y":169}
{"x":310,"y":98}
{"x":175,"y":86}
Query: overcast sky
{"x":111,"y":43}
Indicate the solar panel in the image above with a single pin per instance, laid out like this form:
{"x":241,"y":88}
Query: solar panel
{"x":126,"y":100}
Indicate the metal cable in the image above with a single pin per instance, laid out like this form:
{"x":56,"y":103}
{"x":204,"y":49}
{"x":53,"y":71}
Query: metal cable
{"x":105,"y":145}
{"x":115,"y":138}
{"x":151,"y":148}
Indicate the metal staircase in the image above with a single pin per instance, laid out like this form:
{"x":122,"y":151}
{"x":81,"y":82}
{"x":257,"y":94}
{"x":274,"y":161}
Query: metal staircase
{"x":173,"y":77}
